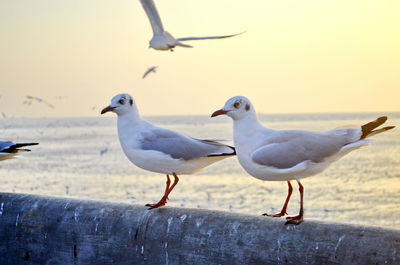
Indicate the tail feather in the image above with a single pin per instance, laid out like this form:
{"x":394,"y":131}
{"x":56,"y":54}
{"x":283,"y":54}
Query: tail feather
{"x":18,"y":145}
{"x":180,"y":44}
{"x":15,"y":148}
{"x":368,"y":129}
{"x":380,"y":130}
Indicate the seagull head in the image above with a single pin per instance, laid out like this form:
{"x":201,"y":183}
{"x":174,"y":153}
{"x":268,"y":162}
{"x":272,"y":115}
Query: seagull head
{"x":121,"y":104}
{"x":237,"y":108}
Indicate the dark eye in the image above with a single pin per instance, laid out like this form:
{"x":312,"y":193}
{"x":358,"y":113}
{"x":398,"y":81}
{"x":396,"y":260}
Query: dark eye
{"x":236,"y":104}
{"x":121,"y":101}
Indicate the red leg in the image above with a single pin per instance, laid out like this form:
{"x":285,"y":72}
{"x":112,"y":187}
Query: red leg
{"x":283,"y":211}
{"x":165,"y":192}
{"x":295,"y":220}
{"x":167,"y":186}
{"x":164,"y":198}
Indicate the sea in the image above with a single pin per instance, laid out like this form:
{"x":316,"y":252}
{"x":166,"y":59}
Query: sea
{"x":82,"y":158}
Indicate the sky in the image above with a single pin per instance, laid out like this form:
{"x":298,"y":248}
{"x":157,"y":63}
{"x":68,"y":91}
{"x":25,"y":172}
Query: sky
{"x":296,"y":57}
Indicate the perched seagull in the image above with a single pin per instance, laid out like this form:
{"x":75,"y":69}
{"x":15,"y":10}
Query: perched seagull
{"x":9,"y":150}
{"x":151,"y":69}
{"x":161,"y":150}
{"x":163,"y":40}
{"x":287,"y":155}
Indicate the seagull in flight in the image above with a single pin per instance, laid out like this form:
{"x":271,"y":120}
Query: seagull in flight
{"x":162,"y":40}
{"x":286,"y":155}
{"x":151,"y":69}
{"x":40,"y":100}
{"x":160,"y":150}
{"x":9,"y":150}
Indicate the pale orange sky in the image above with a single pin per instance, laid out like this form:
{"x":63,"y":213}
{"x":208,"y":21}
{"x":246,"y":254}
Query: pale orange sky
{"x":297,"y":56}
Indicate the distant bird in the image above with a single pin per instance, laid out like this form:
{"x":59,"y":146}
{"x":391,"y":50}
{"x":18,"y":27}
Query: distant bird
{"x":163,"y":40}
{"x":160,"y":150}
{"x":9,"y":150}
{"x":60,"y":97}
{"x":151,"y":69}
{"x":103,"y":151}
{"x":40,"y":100}
{"x":285,"y":155}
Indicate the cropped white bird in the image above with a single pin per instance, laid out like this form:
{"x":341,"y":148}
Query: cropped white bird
{"x":149,"y":70}
{"x":163,"y":40}
{"x":287,"y":155}
{"x":10,"y":150}
{"x":160,"y":150}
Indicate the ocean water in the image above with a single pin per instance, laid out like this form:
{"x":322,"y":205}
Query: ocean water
{"x":82,"y":158}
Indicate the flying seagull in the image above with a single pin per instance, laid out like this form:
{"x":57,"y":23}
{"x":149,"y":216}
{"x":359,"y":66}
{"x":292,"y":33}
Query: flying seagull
{"x":40,"y":100}
{"x":151,"y":69}
{"x":287,"y":155}
{"x":160,"y":150}
{"x":9,"y":150}
{"x":163,"y":40}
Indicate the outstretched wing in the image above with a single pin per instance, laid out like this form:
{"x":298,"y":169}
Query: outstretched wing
{"x":146,"y":73}
{"x":210,"y":37}
{"x":152,"y":13}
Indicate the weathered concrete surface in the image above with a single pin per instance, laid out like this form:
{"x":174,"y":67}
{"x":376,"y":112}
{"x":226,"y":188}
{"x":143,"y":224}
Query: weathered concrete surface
{"x":43,"y":230}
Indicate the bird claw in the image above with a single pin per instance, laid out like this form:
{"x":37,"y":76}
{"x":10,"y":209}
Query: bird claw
{"x":275,"y":215}
{"x":294,"y":220}
{"x":156,"y":205}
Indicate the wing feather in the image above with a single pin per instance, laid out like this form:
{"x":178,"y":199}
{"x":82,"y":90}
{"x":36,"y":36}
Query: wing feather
{"x":179,"y":146}
{"x":154,"y":18}
{"x":210,"y":37}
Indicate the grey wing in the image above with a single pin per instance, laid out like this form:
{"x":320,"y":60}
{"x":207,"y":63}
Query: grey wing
{"x":292,"y":150}
{"x":210,"y":37}
{"x":146,"y":73}
{"x":179,"y":146}
{"x":155,"y":20}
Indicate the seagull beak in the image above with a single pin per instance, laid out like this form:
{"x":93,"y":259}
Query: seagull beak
{"x":219,"y":112}
{"x":107,"y":109}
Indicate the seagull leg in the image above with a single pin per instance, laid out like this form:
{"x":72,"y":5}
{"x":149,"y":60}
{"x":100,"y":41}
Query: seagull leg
{"x":283,"y":211}
{"x":295,"y":220}
{"x":167,"y":186}
{"x":165,"y":192}
{"x":164,"y":198}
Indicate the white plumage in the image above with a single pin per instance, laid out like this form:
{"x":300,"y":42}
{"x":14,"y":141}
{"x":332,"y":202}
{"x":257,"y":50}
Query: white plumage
{"x":163,"y":40}
{"x":160,"y":150}
{"x":287,"y":155}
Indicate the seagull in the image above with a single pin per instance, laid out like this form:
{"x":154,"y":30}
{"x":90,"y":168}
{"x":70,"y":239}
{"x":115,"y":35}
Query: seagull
{"x":286,"y":155}
{"x":103,"y":151}
{"x":9,"y":150}
{"x":160,"y":150}
{"x":162,"y":40}
{"x":151,"y":69}
{"x":40,"y":100}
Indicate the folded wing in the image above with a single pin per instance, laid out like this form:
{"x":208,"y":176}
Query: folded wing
{"x":287,"y":150}
{"x":179,"y":146}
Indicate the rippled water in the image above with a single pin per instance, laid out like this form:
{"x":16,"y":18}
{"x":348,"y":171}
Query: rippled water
{"x":362,"y":188}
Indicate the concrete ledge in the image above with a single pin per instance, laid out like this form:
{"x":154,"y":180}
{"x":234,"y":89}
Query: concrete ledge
{"x":50,"y":231}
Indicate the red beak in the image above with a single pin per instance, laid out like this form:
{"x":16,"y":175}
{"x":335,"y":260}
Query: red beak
{"x":219,"y":112}
{"x":107,"y":109}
